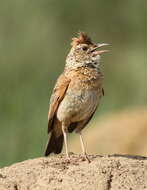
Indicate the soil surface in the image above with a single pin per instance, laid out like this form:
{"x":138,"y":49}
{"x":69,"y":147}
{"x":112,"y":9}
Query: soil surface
{"x":112,"y":172}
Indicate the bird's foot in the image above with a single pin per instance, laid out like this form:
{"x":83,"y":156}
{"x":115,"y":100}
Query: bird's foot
{"x":85,"y":158}
{"x":67,"y":158}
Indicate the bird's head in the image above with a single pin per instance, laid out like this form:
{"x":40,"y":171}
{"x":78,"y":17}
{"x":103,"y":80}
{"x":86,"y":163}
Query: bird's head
{"x":84,"y":52}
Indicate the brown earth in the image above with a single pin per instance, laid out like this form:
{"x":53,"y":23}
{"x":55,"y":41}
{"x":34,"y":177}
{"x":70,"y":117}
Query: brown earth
{"x":116,"y":172}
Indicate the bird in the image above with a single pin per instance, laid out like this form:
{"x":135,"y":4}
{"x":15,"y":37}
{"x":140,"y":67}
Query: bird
{"x":76,"y":94}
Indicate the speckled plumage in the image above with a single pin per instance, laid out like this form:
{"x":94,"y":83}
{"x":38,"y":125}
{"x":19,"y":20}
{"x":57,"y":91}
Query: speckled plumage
{"x":77,"y":92}
{"x":82,"y":96}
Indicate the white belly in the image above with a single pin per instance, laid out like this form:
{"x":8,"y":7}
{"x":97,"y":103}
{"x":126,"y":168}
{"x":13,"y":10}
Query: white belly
{"x":77,"y":106}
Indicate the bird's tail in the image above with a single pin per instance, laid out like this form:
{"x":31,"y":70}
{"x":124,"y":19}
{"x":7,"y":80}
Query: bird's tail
{"x":55,"y":142}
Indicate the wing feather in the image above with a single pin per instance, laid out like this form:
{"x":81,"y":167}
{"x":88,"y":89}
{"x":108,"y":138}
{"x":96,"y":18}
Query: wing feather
{"x":57,"y":96}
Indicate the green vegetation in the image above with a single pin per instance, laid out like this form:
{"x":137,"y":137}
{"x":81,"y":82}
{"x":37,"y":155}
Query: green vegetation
{"x":34,"y":41}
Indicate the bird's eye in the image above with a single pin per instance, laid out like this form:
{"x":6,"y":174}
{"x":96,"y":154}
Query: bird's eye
{"x":84,"y":48}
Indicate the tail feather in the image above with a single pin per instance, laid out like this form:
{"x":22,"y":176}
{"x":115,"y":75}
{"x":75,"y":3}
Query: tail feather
{"x":55,"y":142}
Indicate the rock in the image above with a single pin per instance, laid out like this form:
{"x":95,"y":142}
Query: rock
{"x":115,"y":172}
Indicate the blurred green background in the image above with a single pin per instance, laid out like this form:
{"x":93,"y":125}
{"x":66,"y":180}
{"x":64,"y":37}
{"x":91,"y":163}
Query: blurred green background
{"x":35,"y":38}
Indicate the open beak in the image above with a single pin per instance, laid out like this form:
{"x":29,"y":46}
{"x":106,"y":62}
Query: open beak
{"x":99,"y":52}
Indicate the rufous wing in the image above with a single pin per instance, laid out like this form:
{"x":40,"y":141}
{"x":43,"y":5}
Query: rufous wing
{"x":57,"y":96}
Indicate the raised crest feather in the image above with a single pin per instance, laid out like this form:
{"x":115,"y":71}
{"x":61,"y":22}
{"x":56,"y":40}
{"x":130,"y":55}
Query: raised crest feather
{"x":81,"y":39}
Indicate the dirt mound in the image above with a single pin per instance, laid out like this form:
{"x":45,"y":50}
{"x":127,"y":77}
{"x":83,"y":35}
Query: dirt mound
{"x":55,"y":173}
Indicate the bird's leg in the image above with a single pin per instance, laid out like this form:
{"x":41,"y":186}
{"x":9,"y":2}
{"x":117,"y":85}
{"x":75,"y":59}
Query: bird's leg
{"x":64,"y":129}
{"x":83,"y":147}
